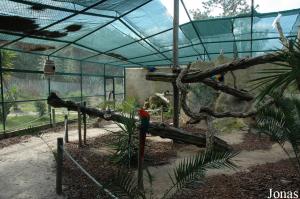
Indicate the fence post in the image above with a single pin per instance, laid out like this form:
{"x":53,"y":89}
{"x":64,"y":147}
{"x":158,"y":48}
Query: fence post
{"x":66,"y":129}
{"x":84,"y":124}
{"x":79,"y":126}
{"x":53,"y":118}
{"x":59,"y":165}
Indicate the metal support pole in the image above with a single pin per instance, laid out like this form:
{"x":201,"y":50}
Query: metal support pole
{"x":104,"y":83}
{"x":79,"y":127}
{"x":124,"y":84}
{"x":175,"y":63}
{"x":251,"y":31}
{"x":2,"y":94}
{"x":114,"y":93}
{"x":84,"y":124}
{"x":66,"y":129}
{"x":53,"y":118}
{"x":49,"y":107}
{"x":59,"y":165}
{"x":81,"y":96}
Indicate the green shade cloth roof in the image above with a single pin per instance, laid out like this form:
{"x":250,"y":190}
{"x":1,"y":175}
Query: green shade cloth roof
{"x":134,"y":33}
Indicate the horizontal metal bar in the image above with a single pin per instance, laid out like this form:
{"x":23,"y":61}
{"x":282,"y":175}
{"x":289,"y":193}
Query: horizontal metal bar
{"x":12,"y":70}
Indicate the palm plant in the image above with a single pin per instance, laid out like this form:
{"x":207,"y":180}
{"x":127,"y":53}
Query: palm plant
{"x":127,"y":140}
{"x":284,"y":73}
{"x":282,"y":123}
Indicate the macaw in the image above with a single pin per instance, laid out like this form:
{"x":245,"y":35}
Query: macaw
{"x":144,"y":128}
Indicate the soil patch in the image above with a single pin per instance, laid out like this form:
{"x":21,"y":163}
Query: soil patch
{"x":253,"y":142}
{"x":14,"y":140}
{"x":279,"y":176}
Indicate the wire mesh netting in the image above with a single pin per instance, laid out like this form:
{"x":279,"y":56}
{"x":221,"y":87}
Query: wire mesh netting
{"x":92,"y":41}
{"x":134,"y":33}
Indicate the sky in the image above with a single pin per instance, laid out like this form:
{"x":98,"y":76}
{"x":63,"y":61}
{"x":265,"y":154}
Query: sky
{"x":264,"y":6}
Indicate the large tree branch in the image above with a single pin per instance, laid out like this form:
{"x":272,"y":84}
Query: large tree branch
{"x":235,"y":65}
{"x":203,"y":110}
{"x":171,"y":77}
{"x":157,"y":129}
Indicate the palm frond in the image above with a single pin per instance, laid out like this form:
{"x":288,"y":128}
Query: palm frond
{"x":128,"y":185}
{"x":194,"y":168}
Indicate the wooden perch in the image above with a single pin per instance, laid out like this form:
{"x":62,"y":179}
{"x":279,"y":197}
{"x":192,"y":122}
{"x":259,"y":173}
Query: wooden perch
{"x":158,"y":129}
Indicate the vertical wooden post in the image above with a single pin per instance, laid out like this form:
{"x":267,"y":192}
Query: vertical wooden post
{"x":59,"y":165}
{"x":66,"y":129}
{"x":53,"y":118}
{"x":79,"y":127}
{"x":84,"y":124}
{"x":175,"y":63}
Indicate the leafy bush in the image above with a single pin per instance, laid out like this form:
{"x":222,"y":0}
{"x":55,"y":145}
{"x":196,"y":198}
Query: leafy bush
{"x":40,"y":108}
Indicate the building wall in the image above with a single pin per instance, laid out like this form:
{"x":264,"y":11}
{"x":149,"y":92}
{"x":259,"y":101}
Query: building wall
{"x":137,"y":86}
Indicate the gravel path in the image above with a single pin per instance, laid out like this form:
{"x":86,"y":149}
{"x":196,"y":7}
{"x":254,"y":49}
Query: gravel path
{"x":27,"y":169}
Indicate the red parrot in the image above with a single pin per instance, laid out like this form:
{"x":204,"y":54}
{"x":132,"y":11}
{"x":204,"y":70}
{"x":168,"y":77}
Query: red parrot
{"x":145,"y":118}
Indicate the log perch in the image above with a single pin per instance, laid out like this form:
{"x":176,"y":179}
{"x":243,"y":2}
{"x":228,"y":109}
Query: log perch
{"x":157,"y":129}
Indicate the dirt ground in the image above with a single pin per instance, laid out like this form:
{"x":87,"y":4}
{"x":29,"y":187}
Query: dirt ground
{"x":27,"y":165}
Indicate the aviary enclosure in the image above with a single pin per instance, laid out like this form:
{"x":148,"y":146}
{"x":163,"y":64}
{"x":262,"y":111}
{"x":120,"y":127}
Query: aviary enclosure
{"x":149,"y":99}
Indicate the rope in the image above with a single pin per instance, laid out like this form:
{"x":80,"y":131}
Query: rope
{"x":89,"y":175}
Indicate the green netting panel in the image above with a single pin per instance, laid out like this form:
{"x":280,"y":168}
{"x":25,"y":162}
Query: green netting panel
{"x":217,"y":47}
{"x":187,"y":60}
{"x":94,"y":101}
{"x":6,"y":38}
{"x":66,"y":86}
{"x":109,"y":37}
{"x":104,"y":59}
{"x":119,"y":85}
{"x":134,"y":50}
{"x":36,"y":45}
{"x":187,"y":51}
{"x":165,"y":40}
{"x":24,"y":61}
{"x":24,"y":86}
{"x":209,"y":30}
{"x":73,"y":51}
{"x":66,"y":65}
{"x":147,"y":58}
{"x":41,"y":17}
{"x":243,"y":46}
{"x":114,"y":70}
{"x":157,"y":63}
{"x":118,"y":6}
{"x":92,"y":68}
{"x":92,"y":86}
{"x":79,"y":26}
{"x":150,"y":19}
{"x":26,"y":115}
{"x":119,"y":98}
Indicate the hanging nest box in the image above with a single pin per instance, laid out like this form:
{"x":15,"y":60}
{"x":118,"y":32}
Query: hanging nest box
{"x":49,"y":67}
